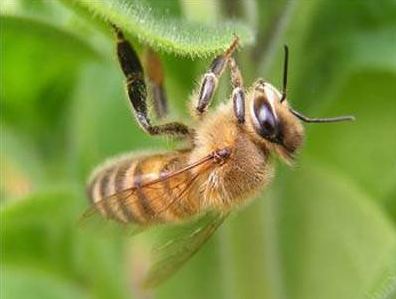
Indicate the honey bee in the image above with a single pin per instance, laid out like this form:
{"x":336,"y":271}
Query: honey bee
{"x":228,"y":160}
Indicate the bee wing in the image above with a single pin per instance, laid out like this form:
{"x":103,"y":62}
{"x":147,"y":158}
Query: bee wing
{"x":171,"y":256}
{"x":115,"y":204}
{"x":94,"y":222}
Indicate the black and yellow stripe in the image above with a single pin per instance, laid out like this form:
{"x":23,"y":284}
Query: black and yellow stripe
{"x":119,"y":183}
{"x":119,"y":192}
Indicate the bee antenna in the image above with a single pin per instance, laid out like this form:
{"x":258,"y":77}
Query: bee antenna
{"x":285,"y":69}
{"x":321,"y":120}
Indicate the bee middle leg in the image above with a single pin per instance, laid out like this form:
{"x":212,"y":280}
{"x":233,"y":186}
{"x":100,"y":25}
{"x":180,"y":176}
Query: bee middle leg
{"x":238,"y":93}
{"x":211,"y":78}
{"x":137,"y":92}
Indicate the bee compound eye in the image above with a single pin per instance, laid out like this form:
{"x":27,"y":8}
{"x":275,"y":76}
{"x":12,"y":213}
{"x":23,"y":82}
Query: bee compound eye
{"x":266,"y":123}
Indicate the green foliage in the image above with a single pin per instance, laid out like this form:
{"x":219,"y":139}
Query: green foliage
{"x":324,"y":229}
{"x":162,"y":31}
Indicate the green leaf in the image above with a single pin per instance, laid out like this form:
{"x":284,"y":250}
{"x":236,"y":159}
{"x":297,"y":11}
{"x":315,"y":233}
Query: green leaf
{"x":26,"y":43}
{"x":342,"y":37}
{"x":335,"y":242}
{"x":33,"y":235}
{"x":42,"y":234}
{"x":164,"y":32}
{"x":38,"y":72}
{"x":385,"y":286}
{"x":22,"y":282}
{"x":364,"y":149}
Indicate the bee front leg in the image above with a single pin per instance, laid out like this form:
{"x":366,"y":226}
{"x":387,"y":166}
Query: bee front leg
{"x":210,"y":79}
{"x":238,"y":93}
{"x":137,"y":93}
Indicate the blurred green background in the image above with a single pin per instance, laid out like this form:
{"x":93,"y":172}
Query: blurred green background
{"x":324,"y":229}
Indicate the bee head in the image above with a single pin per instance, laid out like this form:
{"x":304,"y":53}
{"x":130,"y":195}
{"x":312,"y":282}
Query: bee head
{"x":273,"y":120}
{"x":276,"y":122}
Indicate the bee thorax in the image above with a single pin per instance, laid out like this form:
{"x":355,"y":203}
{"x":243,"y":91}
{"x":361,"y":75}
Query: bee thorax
{"x":242,"y":168}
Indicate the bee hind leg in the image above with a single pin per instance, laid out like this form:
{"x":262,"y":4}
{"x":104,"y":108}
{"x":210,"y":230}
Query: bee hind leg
{"x":137,"y":91}
{"x":155,"y":76}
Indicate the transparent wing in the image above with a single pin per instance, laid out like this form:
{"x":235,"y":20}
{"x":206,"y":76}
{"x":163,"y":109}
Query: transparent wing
{"x":96,"y":223}
{"x":171,"y":255}
{"x":92,"y":220}
{"x":180,"y":187}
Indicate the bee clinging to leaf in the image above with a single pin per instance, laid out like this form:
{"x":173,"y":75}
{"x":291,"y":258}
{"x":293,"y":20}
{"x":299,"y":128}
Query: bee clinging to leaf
{"x":229,"y":159}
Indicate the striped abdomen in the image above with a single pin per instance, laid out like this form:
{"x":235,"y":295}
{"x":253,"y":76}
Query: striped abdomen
{"x":119,"y":191}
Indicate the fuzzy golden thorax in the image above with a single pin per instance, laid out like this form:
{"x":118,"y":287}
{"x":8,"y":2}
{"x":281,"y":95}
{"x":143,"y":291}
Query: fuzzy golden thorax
{"x":245,"y":171}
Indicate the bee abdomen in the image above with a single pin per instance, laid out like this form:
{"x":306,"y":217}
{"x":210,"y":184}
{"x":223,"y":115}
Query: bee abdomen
{"x":121,"y":176}
{"x":158,"y":204}
{"x":118,"y":191}
{"x":102,"y":192}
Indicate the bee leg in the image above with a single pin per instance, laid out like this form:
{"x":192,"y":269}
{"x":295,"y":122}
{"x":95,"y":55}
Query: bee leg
{"x":155,"y":76}
{"x":238,"y":93}
{"x":211,"y":78}
{"x":137,"y":93}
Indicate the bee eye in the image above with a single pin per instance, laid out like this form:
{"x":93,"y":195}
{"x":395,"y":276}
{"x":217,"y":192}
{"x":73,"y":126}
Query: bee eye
{"x":266,"y":123}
